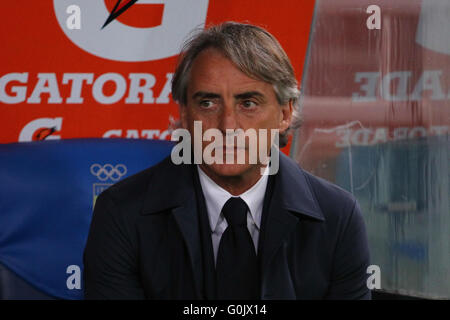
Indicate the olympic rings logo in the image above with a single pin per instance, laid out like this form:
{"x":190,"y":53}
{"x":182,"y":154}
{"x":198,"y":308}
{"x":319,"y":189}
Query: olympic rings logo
{"x":108,"y":171}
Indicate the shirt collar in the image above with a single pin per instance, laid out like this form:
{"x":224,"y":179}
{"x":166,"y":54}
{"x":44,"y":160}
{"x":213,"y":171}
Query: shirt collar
{"x":216,"y":196}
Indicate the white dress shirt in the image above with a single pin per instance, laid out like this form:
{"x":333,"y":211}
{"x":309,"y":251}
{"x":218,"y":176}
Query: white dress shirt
{"x":215,"y":198}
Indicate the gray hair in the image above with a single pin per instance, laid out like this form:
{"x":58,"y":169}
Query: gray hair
{"x":254,"y":51}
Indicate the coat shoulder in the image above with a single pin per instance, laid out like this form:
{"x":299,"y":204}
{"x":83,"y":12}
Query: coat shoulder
{"x":314,"y":194}
{"x":337,"y":204}
{"x":326,"y":191}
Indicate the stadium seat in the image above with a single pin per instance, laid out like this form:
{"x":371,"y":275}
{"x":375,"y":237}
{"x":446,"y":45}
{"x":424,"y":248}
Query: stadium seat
{"x":47,"y":193}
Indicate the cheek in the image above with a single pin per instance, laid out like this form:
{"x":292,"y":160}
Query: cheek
{"x":270,"y":119}
{"x":190,"y":116}
{"x":208,"y":119}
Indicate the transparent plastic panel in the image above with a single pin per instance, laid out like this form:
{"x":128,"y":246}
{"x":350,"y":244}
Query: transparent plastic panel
{"x":376,"y":108}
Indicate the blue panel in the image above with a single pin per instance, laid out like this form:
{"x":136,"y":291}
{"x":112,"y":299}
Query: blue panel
{"x":47,"y":191}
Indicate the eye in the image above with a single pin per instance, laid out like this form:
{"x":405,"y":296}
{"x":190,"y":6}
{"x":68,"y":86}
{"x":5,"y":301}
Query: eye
{"x":248,"y":104}
{"x":206,"y":104}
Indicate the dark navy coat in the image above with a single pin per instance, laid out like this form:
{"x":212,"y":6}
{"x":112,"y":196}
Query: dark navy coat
{"x":145,"y":241}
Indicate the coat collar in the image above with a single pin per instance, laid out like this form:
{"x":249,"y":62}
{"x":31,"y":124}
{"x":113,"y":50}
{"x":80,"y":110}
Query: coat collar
{"x":294,"y":191}
{"x":172,"y":186}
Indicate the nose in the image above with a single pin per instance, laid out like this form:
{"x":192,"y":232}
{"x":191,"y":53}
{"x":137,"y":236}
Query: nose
{"x":228,"y":118}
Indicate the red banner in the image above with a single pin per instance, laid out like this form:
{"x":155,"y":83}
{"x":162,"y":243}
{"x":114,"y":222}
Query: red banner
{"x":66,"y":73}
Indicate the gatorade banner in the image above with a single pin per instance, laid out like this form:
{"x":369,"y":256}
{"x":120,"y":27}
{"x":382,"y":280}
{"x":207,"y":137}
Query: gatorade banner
{"x":103,"y":68}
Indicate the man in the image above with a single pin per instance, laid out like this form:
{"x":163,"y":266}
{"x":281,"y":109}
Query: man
{"x":224,"y":230}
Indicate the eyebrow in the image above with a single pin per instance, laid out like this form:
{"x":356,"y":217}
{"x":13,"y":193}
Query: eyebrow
{"x":211,"y":95}
{"x":249,"y":94}
{"x":205,"y":95}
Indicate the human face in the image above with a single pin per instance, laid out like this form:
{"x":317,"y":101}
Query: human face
{"x":222,"y":97}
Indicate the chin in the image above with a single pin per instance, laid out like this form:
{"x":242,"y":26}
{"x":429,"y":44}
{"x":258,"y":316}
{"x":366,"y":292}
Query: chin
{"x":230,"y":170}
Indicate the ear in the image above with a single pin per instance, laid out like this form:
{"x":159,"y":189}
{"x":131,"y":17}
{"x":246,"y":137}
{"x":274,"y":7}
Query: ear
{"x":286,"y":116}
{"x":183,"y":116}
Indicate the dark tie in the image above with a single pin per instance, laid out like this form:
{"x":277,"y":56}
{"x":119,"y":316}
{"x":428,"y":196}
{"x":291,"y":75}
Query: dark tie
{"x":236,"y":265}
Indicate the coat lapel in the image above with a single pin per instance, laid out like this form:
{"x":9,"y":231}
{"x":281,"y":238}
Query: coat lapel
{"x":187,"y":220}
{"x":280,"y":223}
{"x":173,"y":189}
{"x":292,"y":198}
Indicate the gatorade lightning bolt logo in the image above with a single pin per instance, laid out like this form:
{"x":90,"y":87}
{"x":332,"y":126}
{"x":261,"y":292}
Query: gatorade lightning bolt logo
{"x":124,"y":40}
{"x":117,"y":12}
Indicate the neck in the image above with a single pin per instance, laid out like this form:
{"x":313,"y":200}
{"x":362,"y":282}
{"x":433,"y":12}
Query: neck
{"x":237,"y":184}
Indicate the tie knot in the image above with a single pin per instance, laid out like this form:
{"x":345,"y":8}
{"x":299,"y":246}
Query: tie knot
{"x":235,"y":211}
